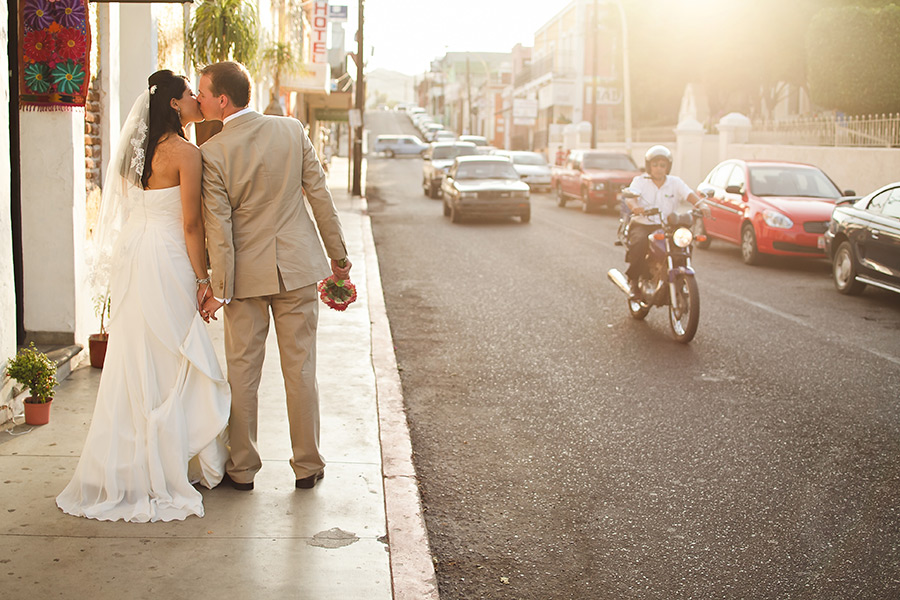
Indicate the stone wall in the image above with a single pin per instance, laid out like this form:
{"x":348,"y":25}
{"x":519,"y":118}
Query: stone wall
{"x":92,"y":140}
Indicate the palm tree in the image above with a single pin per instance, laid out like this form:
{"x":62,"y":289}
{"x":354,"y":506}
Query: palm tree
{"x":281,"y":59}
{"x":224,"y":30}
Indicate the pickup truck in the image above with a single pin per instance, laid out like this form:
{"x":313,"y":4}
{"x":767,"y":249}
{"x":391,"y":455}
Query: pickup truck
{"x":594,"y":177}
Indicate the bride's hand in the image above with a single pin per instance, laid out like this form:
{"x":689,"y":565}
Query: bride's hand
{"x":209,"y":308}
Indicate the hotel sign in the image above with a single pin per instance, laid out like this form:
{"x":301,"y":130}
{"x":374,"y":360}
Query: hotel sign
{"x":319,"y":31}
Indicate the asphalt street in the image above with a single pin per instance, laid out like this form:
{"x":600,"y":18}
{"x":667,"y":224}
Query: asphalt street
{"x":567,"y":451}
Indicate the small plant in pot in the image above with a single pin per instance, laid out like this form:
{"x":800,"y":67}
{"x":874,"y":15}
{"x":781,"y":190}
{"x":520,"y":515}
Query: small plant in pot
{"x":97,"y":342}
{"x":34,"y":370}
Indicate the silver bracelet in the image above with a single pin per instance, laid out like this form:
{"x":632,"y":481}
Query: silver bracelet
{"x":202,"y":281}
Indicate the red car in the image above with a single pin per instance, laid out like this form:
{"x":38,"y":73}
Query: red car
{"x":769,"y":207}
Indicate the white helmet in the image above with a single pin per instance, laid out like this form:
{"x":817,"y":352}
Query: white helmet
{"x":658,"y":151}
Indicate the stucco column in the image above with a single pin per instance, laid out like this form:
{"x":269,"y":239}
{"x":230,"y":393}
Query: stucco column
{"x":689,"y":151}
{"x":734,"y":128}
{"x":7,"y":275}
{"x":108,"y":21}
{"x":53,"y":222}
{"x":138,"y":55}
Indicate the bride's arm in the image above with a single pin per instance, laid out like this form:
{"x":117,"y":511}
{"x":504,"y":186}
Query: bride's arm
{"x":190,"y":172}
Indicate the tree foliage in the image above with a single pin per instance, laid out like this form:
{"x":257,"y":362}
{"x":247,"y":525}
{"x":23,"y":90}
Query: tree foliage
{"x":853,"y":57}
{"x":224,"y":30}
{"x":743,"y":52}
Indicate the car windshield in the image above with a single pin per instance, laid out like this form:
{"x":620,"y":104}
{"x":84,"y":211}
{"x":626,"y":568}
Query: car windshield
{"x":448,"y":152}
{"x":608,"y":162}
{"x":486,"y":170}
{"x":529,"y":159}
{"x":801,"y":182}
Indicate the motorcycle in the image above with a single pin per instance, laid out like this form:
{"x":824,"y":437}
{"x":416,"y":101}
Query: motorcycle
{"x":671,"y":281}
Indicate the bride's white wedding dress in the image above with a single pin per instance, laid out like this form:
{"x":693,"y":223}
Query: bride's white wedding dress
{"x":162,"y":400}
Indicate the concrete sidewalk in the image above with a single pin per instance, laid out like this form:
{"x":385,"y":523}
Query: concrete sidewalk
{"x":358,"y":534}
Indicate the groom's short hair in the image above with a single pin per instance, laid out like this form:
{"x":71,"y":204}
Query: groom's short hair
{"x":231,"y":79}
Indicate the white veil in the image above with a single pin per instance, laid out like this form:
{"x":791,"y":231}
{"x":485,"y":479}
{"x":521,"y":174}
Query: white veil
{"x":121,"y":188}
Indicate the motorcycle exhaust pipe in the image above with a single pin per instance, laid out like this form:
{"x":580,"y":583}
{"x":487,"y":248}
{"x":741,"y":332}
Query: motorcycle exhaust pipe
{"x":619,"y":278}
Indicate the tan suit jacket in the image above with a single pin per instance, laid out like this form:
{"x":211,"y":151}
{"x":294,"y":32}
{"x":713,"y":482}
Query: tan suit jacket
{"x":257,"y":224}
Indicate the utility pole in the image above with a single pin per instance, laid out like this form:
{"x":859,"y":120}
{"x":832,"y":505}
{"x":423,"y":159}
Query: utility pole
{"x":360,"y":106}
{"x":469,"y":93}
{"x":593,"y":39}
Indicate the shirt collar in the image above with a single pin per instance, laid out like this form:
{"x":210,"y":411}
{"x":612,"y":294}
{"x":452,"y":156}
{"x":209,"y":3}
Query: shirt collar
{"x":243,"y":111}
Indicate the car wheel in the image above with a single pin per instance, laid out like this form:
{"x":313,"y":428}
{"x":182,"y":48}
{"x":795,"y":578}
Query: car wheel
{"x":389,"y":153}
{"x":843,"y":269}
{"x":434,"y":191}
{"x":446,"y":209}
{"x":586,"y":206}
{"x":455,"y":215}
{"x":560,"y":197}
{"x":525,"y":217}
{"x":698,"y":229}
{"x":749,"y":249}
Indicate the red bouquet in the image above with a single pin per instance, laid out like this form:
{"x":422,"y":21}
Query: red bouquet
{"x":337,"y":293}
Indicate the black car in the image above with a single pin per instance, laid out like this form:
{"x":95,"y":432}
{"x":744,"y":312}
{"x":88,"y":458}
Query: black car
{"x":863,"y":241}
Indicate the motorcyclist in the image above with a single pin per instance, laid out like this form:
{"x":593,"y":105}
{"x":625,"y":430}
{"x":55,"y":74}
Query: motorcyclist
{"x":656,"y":189}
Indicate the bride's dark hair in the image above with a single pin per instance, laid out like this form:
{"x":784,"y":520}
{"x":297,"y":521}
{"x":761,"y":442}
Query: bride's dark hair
{"x":164,"y":85}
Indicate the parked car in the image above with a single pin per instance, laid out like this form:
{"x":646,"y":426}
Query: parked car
{"x":392,"y":145}
{"x":593,"y":176}
{"x":430,"y":129}
{"x":485,"y":186}
{"x":532,"y":167}
{"x":769,"y":207}
{"x":444,"y":135}
{"x":437,"y":161}
{"x":478,"y":140}
{"x":863,"y":241}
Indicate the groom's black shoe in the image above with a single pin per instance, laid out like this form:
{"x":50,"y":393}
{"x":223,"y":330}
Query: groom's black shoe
{"x":309,"y":482}
{"x":244,"y":487}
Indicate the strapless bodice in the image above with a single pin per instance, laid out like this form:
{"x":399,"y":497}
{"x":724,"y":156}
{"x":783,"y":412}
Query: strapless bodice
{"x":162,"y":205}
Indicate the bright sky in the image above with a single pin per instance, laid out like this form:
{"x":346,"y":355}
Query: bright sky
{"x":408,"y":34}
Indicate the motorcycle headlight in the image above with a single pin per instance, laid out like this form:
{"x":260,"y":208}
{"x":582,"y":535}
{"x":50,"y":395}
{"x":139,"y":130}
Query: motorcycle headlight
{"x":682,"y":237}
{"x":773,"y":218}
{"x":599,"y":185}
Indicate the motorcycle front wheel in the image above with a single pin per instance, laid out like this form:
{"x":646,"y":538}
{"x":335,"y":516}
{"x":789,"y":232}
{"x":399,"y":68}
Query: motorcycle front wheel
{"x":684,"y":309}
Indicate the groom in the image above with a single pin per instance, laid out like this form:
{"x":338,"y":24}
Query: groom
{"x":265,"y":255}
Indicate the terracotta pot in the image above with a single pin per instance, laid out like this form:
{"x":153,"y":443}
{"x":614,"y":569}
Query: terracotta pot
{"x":97,"y":348}
{"x":37,"y":413}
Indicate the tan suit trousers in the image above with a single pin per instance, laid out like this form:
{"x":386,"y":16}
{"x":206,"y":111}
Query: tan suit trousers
{"x":296,"y":314}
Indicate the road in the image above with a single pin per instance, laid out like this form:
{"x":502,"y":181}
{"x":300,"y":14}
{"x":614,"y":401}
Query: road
{"x":566,"y":451}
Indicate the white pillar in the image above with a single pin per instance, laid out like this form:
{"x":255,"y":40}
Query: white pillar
{"x":734,"y":128}
{"x":138,"y":53}
{"x":689,"y":151}
{"x":108,"y":20}
{"x":53,"y":222}
{"x":7,"y":274}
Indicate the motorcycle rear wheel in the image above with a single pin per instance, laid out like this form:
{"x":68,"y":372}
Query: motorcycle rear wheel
{"x":637,"y":310}
{"x":684,"y":309}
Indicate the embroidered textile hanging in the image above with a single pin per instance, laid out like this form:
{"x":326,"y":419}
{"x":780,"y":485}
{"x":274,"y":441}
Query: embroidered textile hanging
{"x":54,"y":54}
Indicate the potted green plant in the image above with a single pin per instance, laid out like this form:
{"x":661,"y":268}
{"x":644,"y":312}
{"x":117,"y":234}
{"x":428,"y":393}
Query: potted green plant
{"x":97,"y":341}
{"x":222,"y":30}
{"x":34,"y":370}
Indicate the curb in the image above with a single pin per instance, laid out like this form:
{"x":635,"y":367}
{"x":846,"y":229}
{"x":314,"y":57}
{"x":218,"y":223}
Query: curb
{"x":412,"y":567}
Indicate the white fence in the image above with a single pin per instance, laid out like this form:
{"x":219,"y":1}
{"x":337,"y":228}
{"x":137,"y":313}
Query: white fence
{"x":872,"y":131}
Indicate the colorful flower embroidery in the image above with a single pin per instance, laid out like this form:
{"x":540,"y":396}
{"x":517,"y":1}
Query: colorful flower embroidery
{"x":38,"y":46}
{"x":70,"y":43}
{"x":69,"y":13}
{"x":68,"y":77}
{"x":37,"y":14}
{"x":37,"y":77}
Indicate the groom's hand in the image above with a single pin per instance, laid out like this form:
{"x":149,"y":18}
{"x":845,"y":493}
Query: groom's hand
{"x":341,"y":268}
{"x":203,"y":294}
{"x":209,"y":308}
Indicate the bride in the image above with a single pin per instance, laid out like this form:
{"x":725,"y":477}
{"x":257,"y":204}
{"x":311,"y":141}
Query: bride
{"x":162,"y":405}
